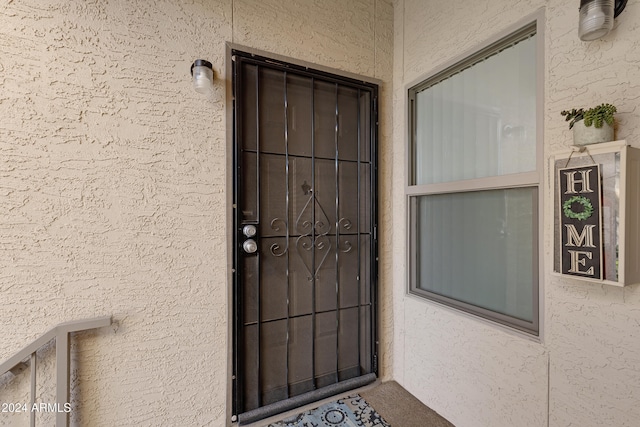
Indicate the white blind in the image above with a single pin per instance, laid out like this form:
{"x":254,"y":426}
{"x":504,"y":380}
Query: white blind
{"x":478,"y":121}
{"x":480,"y":248}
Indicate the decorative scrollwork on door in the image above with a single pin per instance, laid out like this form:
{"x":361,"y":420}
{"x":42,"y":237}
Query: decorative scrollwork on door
{"x":277,"y":250}
{"x":346,"y":246}
{"x":278,"y":224}
{"x":275,"y":224}
{"x":313,"y":234}
{"x":345,"y":223}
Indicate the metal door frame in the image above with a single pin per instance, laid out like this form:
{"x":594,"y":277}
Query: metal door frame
{"x":250,"y":55}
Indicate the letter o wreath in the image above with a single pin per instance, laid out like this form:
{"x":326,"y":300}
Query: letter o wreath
{"x":587,"y":208}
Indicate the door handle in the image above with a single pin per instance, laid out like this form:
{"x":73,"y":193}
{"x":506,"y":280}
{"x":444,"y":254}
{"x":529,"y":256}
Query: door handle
{"x":250,"y":246}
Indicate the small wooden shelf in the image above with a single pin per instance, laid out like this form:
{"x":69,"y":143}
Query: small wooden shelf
{"x":620,"y":210}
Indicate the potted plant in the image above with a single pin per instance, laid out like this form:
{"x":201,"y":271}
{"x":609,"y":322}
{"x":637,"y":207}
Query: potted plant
{"x":591,"y":125}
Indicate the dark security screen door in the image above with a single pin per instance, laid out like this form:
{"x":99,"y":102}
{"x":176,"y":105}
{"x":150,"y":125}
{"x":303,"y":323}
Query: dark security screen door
{"x":305,"y":231}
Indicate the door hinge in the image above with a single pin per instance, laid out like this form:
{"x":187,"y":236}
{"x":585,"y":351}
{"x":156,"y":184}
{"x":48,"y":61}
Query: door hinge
{"x":375,"y":104}
{"x":375,"y":363}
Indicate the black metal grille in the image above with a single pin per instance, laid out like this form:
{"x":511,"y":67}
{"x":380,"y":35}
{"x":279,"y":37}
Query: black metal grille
{"x":305,"y":177}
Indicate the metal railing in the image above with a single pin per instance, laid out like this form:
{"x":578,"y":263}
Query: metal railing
{"x":27,"y":358}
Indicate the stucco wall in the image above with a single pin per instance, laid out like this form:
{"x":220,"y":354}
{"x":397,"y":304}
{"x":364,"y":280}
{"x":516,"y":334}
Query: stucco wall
{"x":585,"y":369}
{"x":113,"y":201}
{"x":113,"y":187}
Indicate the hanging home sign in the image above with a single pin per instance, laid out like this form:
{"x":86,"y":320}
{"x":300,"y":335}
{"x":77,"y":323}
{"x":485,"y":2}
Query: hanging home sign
{"x":580,"y":221}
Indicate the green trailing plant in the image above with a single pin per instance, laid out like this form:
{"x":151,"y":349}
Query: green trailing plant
{"x":599,"y":115}
{"x":573,"y":116}
{"x":595,"y":116}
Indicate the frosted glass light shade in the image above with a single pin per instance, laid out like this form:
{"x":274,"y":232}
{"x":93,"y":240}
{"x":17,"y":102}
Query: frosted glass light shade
{"x":596,"y":19}
{"x":202,"y":72}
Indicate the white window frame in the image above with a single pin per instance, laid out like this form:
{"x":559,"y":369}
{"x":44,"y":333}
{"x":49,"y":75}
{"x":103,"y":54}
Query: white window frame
{"x":535,"y":23}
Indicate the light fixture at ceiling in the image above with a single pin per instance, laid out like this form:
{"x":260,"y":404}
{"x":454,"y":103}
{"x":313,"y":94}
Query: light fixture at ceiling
{"x":202,"y":73}
{"x":596,"y":17}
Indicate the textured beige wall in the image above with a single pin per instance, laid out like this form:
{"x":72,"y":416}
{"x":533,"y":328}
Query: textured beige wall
{"x":585,"y":371}
{"x":113,"y":201}
{"x":113,"y":195}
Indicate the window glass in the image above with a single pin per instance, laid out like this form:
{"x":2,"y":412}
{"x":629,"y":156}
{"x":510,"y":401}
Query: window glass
{"x":480,"y":248}
{"x":473,"y":191}
{"x":479,"y":122}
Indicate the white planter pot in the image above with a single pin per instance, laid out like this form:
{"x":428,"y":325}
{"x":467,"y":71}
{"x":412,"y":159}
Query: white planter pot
{"x":585,"y":135}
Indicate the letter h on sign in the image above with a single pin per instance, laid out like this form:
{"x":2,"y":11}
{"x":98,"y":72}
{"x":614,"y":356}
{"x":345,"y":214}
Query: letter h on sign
{"x":580,"y":221}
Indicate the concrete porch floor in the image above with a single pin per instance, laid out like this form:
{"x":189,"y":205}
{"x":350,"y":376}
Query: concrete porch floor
{"x":397,"y":406}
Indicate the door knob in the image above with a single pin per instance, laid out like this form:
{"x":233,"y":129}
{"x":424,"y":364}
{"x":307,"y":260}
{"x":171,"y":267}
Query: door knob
{"x":250,"y":246}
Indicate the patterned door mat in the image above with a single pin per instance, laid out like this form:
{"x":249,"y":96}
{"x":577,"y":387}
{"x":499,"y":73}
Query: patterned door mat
{"x":352,"y":411}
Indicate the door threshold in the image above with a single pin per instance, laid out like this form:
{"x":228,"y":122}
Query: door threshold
{"x":277,"y":411}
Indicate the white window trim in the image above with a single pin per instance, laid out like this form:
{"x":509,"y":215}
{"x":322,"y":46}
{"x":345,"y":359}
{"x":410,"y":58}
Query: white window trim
{"x":529,"y":179}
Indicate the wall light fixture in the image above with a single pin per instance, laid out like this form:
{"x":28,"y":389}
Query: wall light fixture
{"x":202,"y":73}
{"x":596,"y":17}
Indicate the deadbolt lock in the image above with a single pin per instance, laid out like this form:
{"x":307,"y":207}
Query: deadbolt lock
{"x":249,"y":230}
